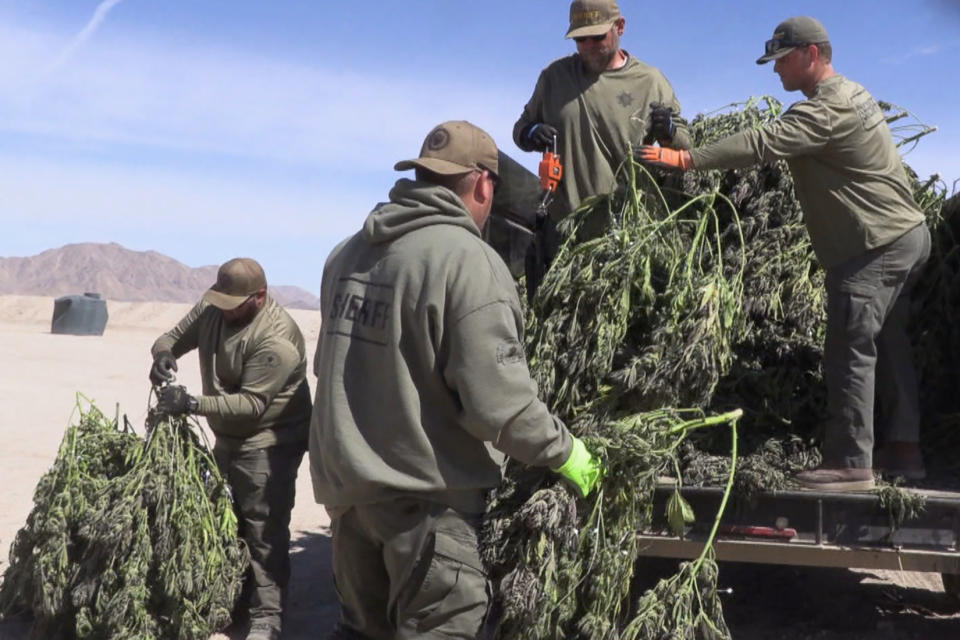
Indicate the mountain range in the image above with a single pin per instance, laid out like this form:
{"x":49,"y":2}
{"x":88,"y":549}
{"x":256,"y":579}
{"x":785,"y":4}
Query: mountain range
{"x":118,"y":273}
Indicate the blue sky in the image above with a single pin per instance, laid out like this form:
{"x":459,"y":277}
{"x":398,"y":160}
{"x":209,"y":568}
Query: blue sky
{"x":206,"y":129}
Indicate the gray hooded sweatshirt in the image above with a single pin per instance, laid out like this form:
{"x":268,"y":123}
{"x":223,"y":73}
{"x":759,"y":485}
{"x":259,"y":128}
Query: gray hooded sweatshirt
{"x":422,"y":382}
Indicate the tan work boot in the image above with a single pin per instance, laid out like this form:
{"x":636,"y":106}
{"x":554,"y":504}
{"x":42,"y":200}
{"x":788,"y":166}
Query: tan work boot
{"x":901,"y":460}
{"x":837,"y":479}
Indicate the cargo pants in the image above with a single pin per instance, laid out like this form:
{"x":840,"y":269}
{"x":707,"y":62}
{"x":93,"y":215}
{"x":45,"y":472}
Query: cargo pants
{"x":263,"y":482}
{"x":867,"y":353}
{"x":407,"y":568}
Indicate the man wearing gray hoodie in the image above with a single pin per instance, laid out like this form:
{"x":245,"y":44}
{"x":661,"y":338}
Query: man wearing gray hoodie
{"x":422,"y":389}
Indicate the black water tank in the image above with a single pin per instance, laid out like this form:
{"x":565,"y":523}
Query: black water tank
{"x":84,"y":315}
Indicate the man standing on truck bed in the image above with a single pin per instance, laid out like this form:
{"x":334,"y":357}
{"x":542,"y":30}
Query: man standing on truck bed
{"x":422,"y":387}
{"x":255,"y":396}
{"x":868,"y":233}
{"x":600,"y":103}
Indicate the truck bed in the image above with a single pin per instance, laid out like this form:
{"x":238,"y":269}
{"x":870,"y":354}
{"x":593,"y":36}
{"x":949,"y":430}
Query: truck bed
{"x":809,"y":528}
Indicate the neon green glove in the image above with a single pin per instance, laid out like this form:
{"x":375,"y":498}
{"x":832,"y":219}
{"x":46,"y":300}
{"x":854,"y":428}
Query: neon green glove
{"x":581,"y":468}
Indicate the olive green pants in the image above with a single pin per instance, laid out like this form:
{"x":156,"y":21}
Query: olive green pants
{"x":408,"y":568}
{"x":867,"y":356}
{"x":263,"y":482}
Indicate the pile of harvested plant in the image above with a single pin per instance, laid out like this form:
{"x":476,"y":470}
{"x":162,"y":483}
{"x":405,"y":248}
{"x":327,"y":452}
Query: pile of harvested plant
{"x":936,"y":338}
{"x":129,"y":537}
{"x":565,"y":568}
{"x":703,"y":292}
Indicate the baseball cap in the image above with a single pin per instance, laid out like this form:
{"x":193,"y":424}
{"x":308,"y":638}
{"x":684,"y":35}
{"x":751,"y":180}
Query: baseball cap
{"x":453,"y":148}
{"x":793,"y":33}
{"x":592,"y":17}
{"x":237,"y":280}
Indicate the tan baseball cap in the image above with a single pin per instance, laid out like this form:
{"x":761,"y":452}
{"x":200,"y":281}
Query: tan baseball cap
{"x":592,"y":17}
{"x":453,"y":148}
{"x":237,"y":280}
{"x":790,"y":34}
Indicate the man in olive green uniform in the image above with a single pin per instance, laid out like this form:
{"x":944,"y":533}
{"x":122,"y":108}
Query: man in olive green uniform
{"x":600,"y":103}
{"x":868,"y":233}
{"x":422,"y":387}
{"x":257,"y":403}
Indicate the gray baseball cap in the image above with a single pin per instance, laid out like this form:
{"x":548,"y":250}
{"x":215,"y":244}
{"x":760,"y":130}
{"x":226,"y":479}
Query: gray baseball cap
{"x":790,"y":34}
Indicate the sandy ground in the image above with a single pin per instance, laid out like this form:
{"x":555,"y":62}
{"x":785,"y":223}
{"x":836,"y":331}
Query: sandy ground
{"x":41,"y":374}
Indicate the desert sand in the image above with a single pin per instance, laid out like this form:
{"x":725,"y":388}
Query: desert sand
{"x":40,"y":377}
{"x":41,"y":374}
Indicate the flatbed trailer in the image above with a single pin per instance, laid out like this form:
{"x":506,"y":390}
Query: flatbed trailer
{"x":816,"y":529}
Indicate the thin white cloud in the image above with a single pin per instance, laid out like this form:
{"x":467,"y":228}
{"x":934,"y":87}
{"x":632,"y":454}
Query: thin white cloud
{"x":216,"y":101}
{"x":200,"y":138}
{"x":918,"y":52}
{"x":99,"y":15}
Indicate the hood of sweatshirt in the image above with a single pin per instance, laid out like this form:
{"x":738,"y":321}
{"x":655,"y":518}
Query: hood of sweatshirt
{"x":414,"y":205}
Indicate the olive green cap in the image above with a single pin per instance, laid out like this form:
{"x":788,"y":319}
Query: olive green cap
{"x":592,"y":17}
{"x":237,"y":280}
{"x":453,"y":148}
{"x":792,"y":33}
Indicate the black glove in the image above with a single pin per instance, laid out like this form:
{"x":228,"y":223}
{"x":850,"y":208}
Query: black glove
{"x":175,"y":401}
{"x":661,"y":122}
{"x":164,"y":364}
{"x":540,"y":136}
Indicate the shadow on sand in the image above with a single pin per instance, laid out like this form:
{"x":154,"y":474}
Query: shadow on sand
{"x":793,"y":603}
{"x":312,"y":608}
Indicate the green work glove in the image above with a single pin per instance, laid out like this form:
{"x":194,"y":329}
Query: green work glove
{"x":581,"y":469}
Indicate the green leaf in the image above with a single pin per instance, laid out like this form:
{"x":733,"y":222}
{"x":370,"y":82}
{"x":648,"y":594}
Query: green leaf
{"x":679,"y":514}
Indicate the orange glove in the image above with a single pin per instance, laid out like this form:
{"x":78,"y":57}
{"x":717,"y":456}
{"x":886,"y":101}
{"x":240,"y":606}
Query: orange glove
{"x":665,"y":157}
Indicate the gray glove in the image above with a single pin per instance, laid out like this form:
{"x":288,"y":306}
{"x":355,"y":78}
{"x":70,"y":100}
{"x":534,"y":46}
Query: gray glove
{"x":540,"y":136}
{"x":164,"y":364}
{"x":175,"y":401}
{"x":661,"y":122}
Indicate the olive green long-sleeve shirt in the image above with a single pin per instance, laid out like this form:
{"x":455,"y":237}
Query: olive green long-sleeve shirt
{"x":600,"y":120}
{"x":255,"y":391}
{"x":848,"y":176}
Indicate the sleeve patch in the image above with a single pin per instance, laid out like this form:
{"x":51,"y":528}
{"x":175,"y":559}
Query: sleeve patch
{"x":509,"y":352}
{"x":269,"y":360}
{"x":868,"y":110}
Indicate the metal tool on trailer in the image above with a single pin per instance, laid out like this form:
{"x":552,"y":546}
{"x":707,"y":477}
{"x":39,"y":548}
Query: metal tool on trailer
{"x":551,"y":173}
{"x":538,"y":262}
{"x":816,"y":529}
{"x":519,"y":213}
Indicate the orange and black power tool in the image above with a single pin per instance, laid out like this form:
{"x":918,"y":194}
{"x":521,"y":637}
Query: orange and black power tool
{"x":551,"y":172}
